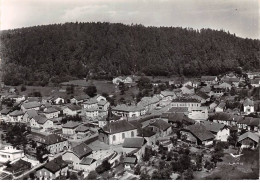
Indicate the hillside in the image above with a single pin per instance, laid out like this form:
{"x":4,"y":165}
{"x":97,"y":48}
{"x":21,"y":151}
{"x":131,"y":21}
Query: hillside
{"x":56,"y":53}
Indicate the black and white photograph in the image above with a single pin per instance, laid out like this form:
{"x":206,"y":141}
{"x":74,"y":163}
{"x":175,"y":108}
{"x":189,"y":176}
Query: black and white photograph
{"x":129,"y":90}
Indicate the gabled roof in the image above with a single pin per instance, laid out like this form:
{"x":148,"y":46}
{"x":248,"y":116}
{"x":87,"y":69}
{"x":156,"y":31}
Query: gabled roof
{"x":127,"y":108}
{"x":82,"y":128}
{"x":254,"y":122}
{"x":74,"y":107}
{"x":168,"y":93}
{"x":16,"y":113}
{"x":87,"y":161}
{"x":31,"y":113}
{"x":161,"y":124}
{"x":212,"y":126}
{"x":81,"y":150}
{"x":50,"y":110}
{"x":146,"y":132}
{"x":223,"y":116}
{"x":222,"y":105}
{"x":52,"y":139}
{"x":118,"y":126}
{"x":18,"y":166}
{"x":91,"y":101}
{"x":81,"y":97}
{"x":200,"y":131}
{"x":5,"y":111}
{"x":30,"y":105}
{"x":55,"y":165}
{"x":41,"y":119}
{"x":205,"y":89}
{"x":248,"y":102}
{"x":208,"y":78}
{"x":202,"y":95}
{"x":133,"y":142}
{"x":185,"y":100}
{"x":250,"y":135}
{"x":71,"y":124}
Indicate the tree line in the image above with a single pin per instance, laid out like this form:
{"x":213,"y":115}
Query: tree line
{"x":60,"y":52}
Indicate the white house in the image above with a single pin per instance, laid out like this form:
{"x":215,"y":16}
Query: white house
{"x":72,"y":110}
{"x":185,"y":102}
{"x":209,"y":80}
{"x":16,"y":116}
{"x":198,"y":113}
{"x":41,"y":121}
{"x":9,"y":153}
{"x":30,"y":105}
{"x":187,"y":89}
{"x":70,"y":128}
{"x":248,"y":106}
{"x":58,"y":100}
{"x":51,"y":113}
{"x":220,"y":107}
{"x":28,"y":115}
{"x":123,"y":79}
{"x":221,"y":131}
{"x":128,"y":111}
{"x":114,"y":133}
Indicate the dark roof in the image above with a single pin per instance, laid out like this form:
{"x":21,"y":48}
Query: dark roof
{"x":18,"y":165}
{"x":41,"y":119}
{"x":51,"y":110}
{"x":222,"y":105}
{"x":200,"y":131}
{"x":212,"y":126}
{"x":131,"y":160}
{"x":186,"y":100}
{"x":81,"y":150}
{"x":16,"y":113}
{"x":223,"y":116}
{"x":254,"y":122}
{"x":32,"y":113}
{"x":208,"y":78}
{"x":5,"y":111}
{"x":118,"y":126}
{"x":87,"y":161}
{"x":81,"y":97}
{"x":178,"y":109}
{"x":30,"y":105}
{"x":146,"y":132}
{"x":52,"y":139}
{"x":250,"y":135}
{"x":248,"y":102}
{"x":133,"y":142}
{"x":74,"y":107}
{"x":202,"y":95}
{"x":71,"y":124}
{"x":161,"y":124}
{"x":82,"y":128}
{"x":55,"y":165}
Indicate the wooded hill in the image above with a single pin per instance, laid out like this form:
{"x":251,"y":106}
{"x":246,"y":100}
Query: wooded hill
{"x":56,"y":53}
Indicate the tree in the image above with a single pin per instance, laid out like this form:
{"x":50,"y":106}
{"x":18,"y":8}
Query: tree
{"x":137,"y":170}
{"x":23,"y":88}
{"x":92,"y":175}
{"x":144,"y":175}
{"x":91,"y":90}
{"x":188,"y":174}
{"x":32,"y":176}
{"x":232,"y":139}
{"x":70,"y":89}
{"x":147,"y":153}
{"x":73,"y":176}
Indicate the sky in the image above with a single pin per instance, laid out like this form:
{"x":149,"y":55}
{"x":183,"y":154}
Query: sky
{"x":241,"y":17}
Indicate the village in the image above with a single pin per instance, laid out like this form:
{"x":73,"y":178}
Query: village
{"x":147,"y":128}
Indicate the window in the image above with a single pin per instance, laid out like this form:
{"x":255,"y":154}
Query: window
{"x":123,"y":135}
{"x":132,"y":134}
{"x":114,"y":137}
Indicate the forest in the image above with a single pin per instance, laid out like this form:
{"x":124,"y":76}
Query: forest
{"x":57,"y":53}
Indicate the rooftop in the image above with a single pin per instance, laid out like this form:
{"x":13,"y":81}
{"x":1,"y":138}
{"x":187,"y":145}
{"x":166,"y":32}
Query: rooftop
{"x":118,"y":126}
{"x":133,"y":142}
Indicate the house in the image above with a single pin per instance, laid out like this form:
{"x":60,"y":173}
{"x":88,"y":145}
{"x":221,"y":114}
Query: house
{"x":76,"y":154}
{"x":248,"y":106}
{"x":79,"y":99}
{"x":54,"y":143}
{"x":198,"y":113}
{"x":184,"y":110}
{"x":161,"y":127}
{"x":225,"y":85}
{"x":72,"y":110}
{"x":248,"y":140}
{"x":134,"y":146}
{"x":128,"y":111}
{"x":206,"y":89}
{"x":252,"y":75}
{"x":30,"y":105}
{"x":53,"y":169}
{"x":9,"y":153}
{"x":18,"y":167}
{"x":130,"y":162}
{"x":202,"y":97}
{"x":95,"y":112}
{"x":18,"y":99}
{"x":150,"y":103}
{"x":255,"y":82}
{"x":109,"y":117}
{"x":41,"y":122}
{"x":197,"y":134}
{"x":70,"y":128}
{"x":220,"y":131}
{"x":28,"y":115}
{"x":51,"y":112}
{"x":185,"y":102}
{"x":115,"y":132}
{"x":149,"y":135}
{"x":16,"y":116}
{"x":178,"y":119}
{"x":221,"y":107}
{"x":218,"y":92}
{"x":103,"y":105}
{"x":225,"y":118}
{"x":4,"y":114}
{"x":234,"y":81}
{"x":187,"y":89}
{"x":58,"y":100}
{"x":82,"y":131}
{"x":209,"y":80}
{"x":91,"y":103}
{"x":167,"y":97}
{"x":123,"y":79}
